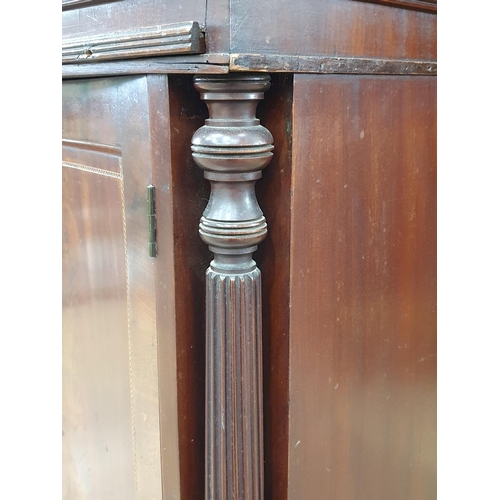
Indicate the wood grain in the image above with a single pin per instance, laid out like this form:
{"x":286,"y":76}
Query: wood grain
{"x":189,"y":193}
{"x":97,"y":445}
{"x":273,"y":257}
{"x":329,"y":64}
{"x":234,"y":431}
{"x":97,"y":20}
{"x":96,"y":123}
{"x":139,"y":67}
{"x":363,"y":289}
{"x":232,"y":148}
{"x":177,"y":38}
{"x":212,"y":15}
{"x":333,"y":28}
{"x":218,"y":26}
{"x":424,"y":5}
{"x":339,"y":28}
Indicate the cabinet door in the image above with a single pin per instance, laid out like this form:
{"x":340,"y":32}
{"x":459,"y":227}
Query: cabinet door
{"x":363,"y":288}
{"x":111,"y":400}
{"x":349,"y":288}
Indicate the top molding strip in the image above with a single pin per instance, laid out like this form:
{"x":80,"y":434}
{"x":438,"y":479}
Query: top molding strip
{"x":167,"y":39}
{"x":330,"y":65}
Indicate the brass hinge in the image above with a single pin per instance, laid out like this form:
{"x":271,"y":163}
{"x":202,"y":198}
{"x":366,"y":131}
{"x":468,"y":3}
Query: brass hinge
{"x":151,"y":221}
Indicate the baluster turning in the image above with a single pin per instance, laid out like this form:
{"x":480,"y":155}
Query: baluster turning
{"x":232,"y":148}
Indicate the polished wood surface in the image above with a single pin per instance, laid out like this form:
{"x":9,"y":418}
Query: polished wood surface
{"x":232,"y":148}
{"x":107,"y":166}
{"x":331,"y":28}
{"x":424,"y":5}
{"x":90,"y":19}
{"x":189,"y":193}
{"x":273,"y":258}
{"x":218,"y":26}
{"x":150,"y":41}
{"x":360,"y":400}
{"x":362,"y":420}
{"x":154,"y":66}
{"x":348,"y":265}
{"x":263,"y":36}
{"x":129,"y":14}
{"x":97,"y":442}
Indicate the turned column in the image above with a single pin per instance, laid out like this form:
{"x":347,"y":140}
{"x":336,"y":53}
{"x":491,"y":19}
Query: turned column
{"x":232,"y":148}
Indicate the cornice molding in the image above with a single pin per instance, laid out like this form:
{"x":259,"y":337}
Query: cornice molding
{"x":177,"y":38}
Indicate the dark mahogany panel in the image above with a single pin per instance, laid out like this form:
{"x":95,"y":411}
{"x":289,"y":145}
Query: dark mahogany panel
{"x":273,"y":258}
{"x":331,"y":28}
{"x":363,"y":289}
{"x":189,"y":193}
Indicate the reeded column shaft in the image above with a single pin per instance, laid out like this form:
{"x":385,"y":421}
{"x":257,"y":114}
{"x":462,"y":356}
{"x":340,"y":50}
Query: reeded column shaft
{"x":232,"y":148}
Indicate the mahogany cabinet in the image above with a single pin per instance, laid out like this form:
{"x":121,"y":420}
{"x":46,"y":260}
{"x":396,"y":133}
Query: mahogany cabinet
{"x":291,"y":149}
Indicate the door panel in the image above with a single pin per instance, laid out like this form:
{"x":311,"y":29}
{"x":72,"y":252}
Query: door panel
{"x":97,"y":442}
{"x":363,"y":289}
{"x":111,"y":401}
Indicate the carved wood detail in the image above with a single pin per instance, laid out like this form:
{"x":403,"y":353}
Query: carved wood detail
{"x":177,"y":38}
{"x":232,"y":148}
